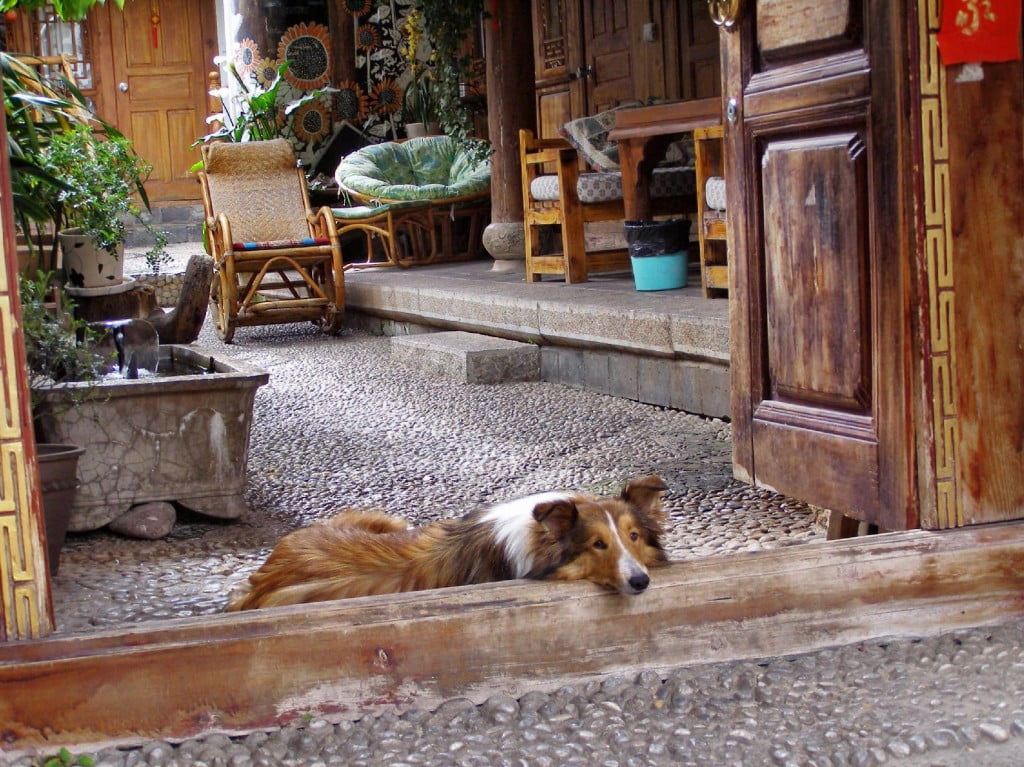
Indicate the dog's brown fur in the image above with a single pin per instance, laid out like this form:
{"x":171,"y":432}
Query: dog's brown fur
{"x":567,"y":536}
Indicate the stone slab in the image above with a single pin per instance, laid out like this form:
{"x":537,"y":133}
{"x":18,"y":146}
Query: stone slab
{"x":468,"y":357}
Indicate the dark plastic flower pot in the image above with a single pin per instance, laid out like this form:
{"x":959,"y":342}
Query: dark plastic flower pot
{"x":58,"y":467}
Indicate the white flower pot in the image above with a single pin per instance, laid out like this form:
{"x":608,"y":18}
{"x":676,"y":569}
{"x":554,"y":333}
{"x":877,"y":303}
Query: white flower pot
{"x":87,"y":266}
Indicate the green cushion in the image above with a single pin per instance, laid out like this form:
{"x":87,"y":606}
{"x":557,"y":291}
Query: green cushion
{"x":427,"y":168}
{"x":357,"y":212}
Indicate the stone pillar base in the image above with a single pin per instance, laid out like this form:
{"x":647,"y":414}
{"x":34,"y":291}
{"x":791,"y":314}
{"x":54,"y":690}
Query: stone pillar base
{"x":506,"y":244}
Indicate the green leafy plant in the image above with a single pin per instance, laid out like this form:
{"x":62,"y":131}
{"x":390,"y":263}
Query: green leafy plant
{"x":447,"y":25}
{"x":102,"y":180}
{"x":39,"y":111}
{"x":420,"y":103}
{"x":255,"y":117}
{"x":66,"y":9}
{"x":59,"y":348}
{"x":65,"y":758}
{"x":35,"y":109}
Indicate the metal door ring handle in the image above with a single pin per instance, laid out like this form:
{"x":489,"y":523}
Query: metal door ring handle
{"x":725,"y":13}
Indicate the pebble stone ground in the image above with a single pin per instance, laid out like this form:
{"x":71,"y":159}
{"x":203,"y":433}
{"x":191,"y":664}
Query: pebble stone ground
{"x":339,"y":425}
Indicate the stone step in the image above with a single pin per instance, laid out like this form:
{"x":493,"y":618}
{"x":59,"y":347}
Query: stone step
{"x":468,"y":357}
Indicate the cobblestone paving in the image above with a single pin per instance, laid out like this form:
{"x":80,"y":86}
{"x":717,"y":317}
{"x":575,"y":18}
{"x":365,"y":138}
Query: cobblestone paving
{"x":340,"y":425}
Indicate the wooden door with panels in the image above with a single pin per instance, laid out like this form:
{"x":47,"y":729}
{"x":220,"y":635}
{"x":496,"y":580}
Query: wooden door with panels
{"x":607,"y":69}
{"x":699,"y":59}
{"x":582,"y":59}
{"x":152,"y":61}
{"x":818,"y":232}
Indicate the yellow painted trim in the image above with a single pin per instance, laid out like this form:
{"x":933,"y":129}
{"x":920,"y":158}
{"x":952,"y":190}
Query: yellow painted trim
{"x":939,"y":265}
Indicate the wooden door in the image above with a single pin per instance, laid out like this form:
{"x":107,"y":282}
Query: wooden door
{"x":152,"y":61}
{"x":818,"y":237}
{"x":699,"y":54}
{"x":608,"y":71}
{"x":558,"y":62}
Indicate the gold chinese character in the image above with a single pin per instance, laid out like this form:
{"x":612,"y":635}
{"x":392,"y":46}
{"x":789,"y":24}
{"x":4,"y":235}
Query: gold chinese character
{"x":972,"y":13}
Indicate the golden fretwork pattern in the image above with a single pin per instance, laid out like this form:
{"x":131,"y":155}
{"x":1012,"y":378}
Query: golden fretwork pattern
{"x":19,"y":563}
{"x":24,"y":585}
{"x":938,"y":265}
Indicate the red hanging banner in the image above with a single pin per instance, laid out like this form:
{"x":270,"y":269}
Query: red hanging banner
{"x":980,"y":30}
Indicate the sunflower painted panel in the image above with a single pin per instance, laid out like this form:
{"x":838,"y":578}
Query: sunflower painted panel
{"x":307,"y":49}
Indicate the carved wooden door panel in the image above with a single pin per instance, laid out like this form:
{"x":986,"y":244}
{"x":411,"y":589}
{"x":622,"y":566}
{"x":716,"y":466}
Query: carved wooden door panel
{"x":818,"y":232}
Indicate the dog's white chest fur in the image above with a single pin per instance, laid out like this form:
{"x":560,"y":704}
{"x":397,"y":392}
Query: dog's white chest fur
{"x":512,"y":523}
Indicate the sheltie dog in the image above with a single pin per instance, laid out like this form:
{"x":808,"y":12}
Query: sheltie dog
{"x":611,"y":541}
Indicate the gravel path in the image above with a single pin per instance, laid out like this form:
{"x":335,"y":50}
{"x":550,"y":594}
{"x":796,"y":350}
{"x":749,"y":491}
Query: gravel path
{"x":955,"y":700}
{"x":340,"y":425}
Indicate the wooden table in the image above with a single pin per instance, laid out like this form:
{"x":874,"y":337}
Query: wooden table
{"x":643,"y":135}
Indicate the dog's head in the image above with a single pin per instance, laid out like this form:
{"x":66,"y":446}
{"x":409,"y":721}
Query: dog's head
{"x":609,"y":541}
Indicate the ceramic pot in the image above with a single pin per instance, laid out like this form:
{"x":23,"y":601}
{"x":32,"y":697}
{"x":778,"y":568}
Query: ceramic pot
{"x":87,"y":266}
{"x":58,"y":475}
{"x":415,"y":130}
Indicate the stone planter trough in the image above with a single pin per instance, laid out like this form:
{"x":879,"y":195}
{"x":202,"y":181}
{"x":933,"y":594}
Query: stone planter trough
{"x":181,"y":438}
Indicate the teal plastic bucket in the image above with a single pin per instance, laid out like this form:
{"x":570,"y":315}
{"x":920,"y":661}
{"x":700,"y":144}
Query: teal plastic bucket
{"x":664,"y":272}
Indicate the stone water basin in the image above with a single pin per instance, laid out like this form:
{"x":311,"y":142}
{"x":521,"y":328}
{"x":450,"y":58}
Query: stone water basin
{"x":182,"y":438}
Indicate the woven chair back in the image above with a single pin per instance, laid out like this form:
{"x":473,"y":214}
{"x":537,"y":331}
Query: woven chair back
{"x":256,"y":185}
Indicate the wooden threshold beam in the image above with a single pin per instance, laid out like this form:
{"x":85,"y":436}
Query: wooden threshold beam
{"x":233,"y":673}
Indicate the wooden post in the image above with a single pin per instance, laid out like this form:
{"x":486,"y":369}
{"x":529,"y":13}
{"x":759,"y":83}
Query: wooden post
{"x":510,"y":106}
{"x":343,"y":52}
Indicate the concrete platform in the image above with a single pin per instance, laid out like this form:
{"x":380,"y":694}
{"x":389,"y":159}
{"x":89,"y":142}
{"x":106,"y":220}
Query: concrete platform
{"x":468,"y":357}
{"x":666,"y":348}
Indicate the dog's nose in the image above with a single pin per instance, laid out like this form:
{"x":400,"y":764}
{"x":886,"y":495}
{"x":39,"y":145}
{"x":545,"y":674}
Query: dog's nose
{"x":639,"y":582}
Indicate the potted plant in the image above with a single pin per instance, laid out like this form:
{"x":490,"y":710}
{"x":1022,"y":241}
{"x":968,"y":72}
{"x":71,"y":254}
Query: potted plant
{"x":419,"y":103}
{"x":102,"y":179}
{"x":447,"y":25}
{"x":54,"y":356}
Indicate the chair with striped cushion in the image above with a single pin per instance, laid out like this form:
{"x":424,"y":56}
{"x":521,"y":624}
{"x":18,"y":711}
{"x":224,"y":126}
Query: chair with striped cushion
{"x":569,"y":200}
{"x":276,"y":260}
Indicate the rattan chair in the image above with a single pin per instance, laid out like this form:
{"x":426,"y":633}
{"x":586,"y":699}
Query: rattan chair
{"x":276,"y":261}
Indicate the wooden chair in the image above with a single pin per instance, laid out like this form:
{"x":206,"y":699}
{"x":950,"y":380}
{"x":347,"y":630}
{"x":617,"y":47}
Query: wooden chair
{"x":567,"y":212}
{"x":276,"y":261}
{"x":560,"y":204}
{"x":714,"y":251}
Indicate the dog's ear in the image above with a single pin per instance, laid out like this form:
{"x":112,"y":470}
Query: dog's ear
{"x":644,"y":495}
{"x":558,"y":517}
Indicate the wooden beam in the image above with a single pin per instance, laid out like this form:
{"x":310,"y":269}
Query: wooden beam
{"x":239,"y":672}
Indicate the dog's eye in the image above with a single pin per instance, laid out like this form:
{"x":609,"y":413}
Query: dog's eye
{"x":634,"y":536}
{"x":599,"y":544}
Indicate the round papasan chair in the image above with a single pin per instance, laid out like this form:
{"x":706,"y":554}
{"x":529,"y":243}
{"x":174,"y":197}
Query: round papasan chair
{"x":432,"y":168}
{"x":437,"y":171}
